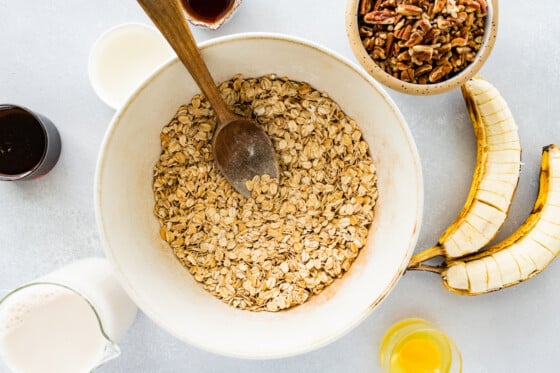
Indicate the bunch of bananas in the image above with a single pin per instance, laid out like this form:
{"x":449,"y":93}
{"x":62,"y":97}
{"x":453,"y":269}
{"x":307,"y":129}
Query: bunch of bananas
{"x":469,"y":269}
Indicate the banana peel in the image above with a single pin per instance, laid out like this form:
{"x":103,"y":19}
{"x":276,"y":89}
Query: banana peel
{"x":495,"y":176}
{"x":469,"y":268}
{"x":527,"y":252}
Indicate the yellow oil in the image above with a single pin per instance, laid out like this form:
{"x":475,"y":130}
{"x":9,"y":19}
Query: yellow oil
{"x":414,"y":346}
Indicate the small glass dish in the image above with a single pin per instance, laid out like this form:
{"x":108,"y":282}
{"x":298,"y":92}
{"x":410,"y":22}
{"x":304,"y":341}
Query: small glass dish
{"x":29,"y":144}
{"x":210,"y":14}
{"x":415,"y":345}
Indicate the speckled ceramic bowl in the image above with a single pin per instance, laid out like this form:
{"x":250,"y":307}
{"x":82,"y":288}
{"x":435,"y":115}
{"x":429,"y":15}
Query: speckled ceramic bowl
{"x":420,"y":89}
{"x":155,"y":279}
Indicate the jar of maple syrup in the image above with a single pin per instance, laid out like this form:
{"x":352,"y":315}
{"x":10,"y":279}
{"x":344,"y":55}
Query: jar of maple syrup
{"x":209,"y":13}
{"x":29,"y":144}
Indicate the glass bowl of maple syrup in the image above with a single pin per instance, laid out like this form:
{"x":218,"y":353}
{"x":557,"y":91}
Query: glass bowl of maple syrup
{"x":211,"y":14}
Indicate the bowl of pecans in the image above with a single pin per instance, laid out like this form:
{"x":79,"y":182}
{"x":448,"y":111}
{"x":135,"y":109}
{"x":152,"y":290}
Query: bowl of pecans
{"x":422,"y":47}
{"x":311,"y":253}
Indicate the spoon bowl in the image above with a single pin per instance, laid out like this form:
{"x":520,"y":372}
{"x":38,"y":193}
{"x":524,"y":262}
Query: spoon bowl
{"x":241,"y":148}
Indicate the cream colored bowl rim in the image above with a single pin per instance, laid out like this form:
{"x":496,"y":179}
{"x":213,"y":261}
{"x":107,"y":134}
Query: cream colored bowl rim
{"x":145,"y":305}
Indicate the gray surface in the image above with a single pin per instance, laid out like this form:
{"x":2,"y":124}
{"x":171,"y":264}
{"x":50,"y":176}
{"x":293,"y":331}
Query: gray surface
{"x":44,"y":224}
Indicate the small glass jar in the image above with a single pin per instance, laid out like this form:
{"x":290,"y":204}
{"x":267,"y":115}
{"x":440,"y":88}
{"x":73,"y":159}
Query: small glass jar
{"x":416,"y":346}
{"x":211,"y":14}
{"x":29,"y":144}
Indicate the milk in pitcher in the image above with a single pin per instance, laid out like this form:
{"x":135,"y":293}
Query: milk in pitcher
{"x":65,"y":322}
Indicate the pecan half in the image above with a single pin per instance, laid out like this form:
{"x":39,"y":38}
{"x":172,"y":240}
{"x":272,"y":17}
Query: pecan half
{"x":389,"y":44}
{"x":389,"y":4}
{"x":409,"y":10}
{"x":423,"y":25}
{"x":440,"y":72}
{"x":432,"y":35}
{"x":470,"y":56}
{"x":471,"y":6}
{"x":443,"y":23}
{"x":461,"y":18}
{"x":444,"y":49}
{"x":368,"y":43}
{"x":365,"y":7}
{"x":404,"y":65}
{"x":378,"y":53}
{"x":451,"y":8}
{"x":483,"y":7}
{"x":405,"y":76}
{"x":422,"y":53}
{"x":404,"y":56}
{"x":470,"y":20}
{"x":438,"y":6}
{"x":365,"y":32}
{"x":458,"y":42}
{"x":457,"y":60}
{"x":405,"y":35}
{"x":380,"y":17}
{"x":414,"y":39}
{"x":463,"y":50}
{"x":411,"y":74}
{"x":423,"y":69}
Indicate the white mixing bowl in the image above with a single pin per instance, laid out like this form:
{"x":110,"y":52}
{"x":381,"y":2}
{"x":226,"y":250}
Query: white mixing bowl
{"x":158,"y":283}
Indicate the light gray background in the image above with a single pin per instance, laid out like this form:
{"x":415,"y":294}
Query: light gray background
{"x":47,"y":223}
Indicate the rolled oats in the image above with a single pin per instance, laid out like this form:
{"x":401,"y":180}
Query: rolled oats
{"x":296,"y":235}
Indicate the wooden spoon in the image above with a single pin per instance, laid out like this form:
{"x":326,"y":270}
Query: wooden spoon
{"x":240,"y":146}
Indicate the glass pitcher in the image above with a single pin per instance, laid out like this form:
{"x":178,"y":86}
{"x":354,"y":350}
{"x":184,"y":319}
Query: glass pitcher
{"x":66,"y":321}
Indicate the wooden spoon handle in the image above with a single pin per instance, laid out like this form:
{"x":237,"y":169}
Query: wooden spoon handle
{"x":169,"y":18}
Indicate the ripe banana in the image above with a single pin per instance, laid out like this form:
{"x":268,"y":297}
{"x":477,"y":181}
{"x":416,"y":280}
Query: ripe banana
{"x":526,"y":252}
{"x":494,"y":180}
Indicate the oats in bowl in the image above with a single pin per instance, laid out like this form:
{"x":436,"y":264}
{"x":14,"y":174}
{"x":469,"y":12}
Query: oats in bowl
{"x":296,"y":235}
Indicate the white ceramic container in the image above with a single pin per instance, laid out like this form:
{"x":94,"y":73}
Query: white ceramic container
{"x":166,"y":292}
{"x":122,"y":57}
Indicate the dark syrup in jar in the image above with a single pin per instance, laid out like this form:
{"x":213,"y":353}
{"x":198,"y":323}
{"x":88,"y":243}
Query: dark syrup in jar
{"x":22,"y":141}
{"x":208,"y":10}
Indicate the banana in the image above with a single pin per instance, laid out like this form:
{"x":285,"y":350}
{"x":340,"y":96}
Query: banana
{"x":526,"y":252}
{"x":494,"y":180}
